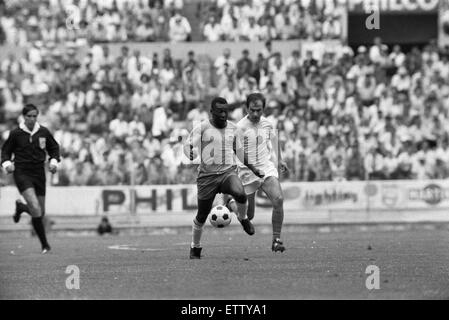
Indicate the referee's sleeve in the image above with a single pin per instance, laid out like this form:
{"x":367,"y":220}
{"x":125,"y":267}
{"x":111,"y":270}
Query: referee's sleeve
{"x":52,"y":147}
{"x":7,"y":149}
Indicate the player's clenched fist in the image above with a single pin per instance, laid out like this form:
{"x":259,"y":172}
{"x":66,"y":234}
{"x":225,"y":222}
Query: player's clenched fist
{"x":10,"y":168}
{"x":283,"y":166}
{"x":53,"y":168}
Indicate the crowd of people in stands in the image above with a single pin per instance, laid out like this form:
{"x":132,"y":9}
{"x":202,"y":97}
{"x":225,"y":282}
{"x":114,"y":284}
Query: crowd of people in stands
{"x":370,"y":113}
{"x":342,"y":113}
{"x":261,"y":20}
{"x":83,"y":21}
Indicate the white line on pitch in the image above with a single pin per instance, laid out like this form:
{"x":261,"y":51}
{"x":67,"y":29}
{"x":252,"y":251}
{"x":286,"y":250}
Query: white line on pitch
{"x":129,"y":248}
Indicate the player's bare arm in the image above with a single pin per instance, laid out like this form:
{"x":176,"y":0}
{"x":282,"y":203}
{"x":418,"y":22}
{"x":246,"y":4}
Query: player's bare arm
{"x":190,"y":148}
{"x":276,"y":154}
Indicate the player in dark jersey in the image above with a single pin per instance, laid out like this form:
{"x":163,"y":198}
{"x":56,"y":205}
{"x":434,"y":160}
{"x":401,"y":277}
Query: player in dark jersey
{"x":215,"y":142}
{"x":24,"y":154}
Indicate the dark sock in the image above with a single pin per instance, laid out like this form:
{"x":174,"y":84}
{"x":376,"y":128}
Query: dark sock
{"x":23,"y":207}
{"x":40,"y":231}
{"x":277,"y":220}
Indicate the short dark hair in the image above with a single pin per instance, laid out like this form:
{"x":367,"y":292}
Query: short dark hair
{"x":217,"y":100}
{"x":254,"y":97}
{"x":29,"y":107}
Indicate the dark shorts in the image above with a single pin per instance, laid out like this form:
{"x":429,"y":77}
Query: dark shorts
{"x":30,"y":178}
{"x":209,"y":186}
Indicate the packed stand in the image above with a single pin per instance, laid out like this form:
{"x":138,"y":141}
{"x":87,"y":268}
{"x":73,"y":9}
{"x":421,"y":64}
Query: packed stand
{"x":262,"y":20}
{"x":376,"y":113}
{"x":85,"y":21}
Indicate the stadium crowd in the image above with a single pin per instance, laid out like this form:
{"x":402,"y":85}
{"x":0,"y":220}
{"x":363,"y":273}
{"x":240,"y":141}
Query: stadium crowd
{"x":91,"y":20}
{"x":260,"y":20}
{"x":376,"y":113}
{"x":83,"y":21}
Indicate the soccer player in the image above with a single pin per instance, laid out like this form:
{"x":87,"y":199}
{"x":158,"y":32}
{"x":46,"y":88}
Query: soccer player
{"x":262,"y":149}
{"x":29,"y":144}
{"x":215,"y":142}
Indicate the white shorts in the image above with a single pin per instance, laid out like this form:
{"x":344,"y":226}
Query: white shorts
{"x":251,"y":182}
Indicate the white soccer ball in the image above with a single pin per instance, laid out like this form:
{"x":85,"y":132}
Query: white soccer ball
{"x":220,"y":217}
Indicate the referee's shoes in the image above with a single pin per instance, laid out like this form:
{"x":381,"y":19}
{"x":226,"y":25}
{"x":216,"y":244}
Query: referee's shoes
{"x":46,"y":249}
{"x":19,"y":210}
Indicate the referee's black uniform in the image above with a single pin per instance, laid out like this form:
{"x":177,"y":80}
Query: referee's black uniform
{"x":29,"y":150}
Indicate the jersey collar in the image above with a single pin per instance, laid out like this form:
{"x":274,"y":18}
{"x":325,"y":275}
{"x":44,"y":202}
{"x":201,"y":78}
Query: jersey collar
{"x":25,"y":128}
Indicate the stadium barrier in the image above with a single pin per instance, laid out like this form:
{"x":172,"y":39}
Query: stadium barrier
{"x":310,"y":202}
{"x":212,"y":49}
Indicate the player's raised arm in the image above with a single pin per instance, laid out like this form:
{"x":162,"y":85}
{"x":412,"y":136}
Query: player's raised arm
{"x":192,"y":143}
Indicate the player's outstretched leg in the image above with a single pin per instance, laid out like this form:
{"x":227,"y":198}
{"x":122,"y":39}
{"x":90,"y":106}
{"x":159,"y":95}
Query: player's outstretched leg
{"x":272,"y":188}
{"x":233,"y":186}
{"x":204,"y":207}
{"x":20,"y":208}
{"x":36,"y":217}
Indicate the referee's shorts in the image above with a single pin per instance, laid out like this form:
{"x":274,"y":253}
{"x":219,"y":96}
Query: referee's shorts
{"x":26,"y":178}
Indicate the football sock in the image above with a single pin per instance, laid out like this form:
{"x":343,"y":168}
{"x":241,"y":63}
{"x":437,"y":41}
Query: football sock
{"x":242,"y":210}
{"x":277,"y":219}
{"x":40,"y":230}
{"x":197,"y":231}
{"x":232,"y":205}
{"x":250,"y":210}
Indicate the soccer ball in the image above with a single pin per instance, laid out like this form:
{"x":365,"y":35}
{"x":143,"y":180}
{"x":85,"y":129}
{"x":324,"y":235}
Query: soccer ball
{"x":220,"y":217}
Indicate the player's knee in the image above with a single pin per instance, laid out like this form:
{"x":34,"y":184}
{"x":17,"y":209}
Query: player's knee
{"x":200,"y":219}
{"x":35,"y":210}
{"x":241,"y":197}
{"x":278,"y":201}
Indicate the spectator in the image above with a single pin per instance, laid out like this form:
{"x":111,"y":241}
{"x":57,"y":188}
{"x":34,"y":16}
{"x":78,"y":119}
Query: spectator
{"x":104,"y":226}
{"x":244,"y":65}
{"x":304,"y":172}
{"x":251,"y":31}
{"x":223,"y":60}
{"x":145,"y":31}
{"x":179,"y":28}
{"x":212,"y":30}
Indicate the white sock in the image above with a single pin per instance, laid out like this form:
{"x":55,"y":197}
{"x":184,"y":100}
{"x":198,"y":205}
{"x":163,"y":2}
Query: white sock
{"x":197,"y":230}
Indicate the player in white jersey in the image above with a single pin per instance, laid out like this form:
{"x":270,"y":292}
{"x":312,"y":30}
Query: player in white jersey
{"x":260,"y":144}
{"x":216,"y":143}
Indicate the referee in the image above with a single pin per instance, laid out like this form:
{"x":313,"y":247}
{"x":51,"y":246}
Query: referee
{"x":24,"y":155}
